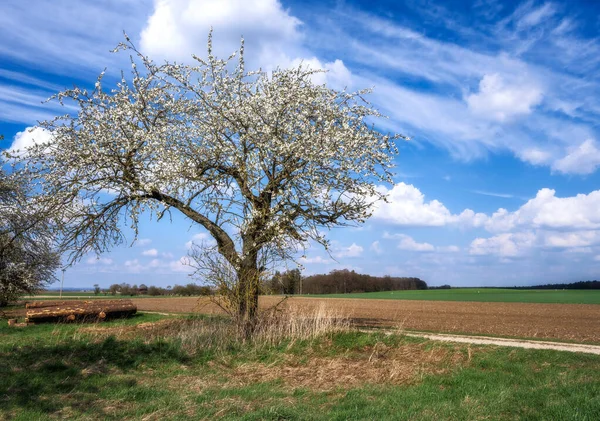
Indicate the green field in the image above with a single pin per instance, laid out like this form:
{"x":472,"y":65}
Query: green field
{"x":86,"y":372}
{"x":484,"y":295}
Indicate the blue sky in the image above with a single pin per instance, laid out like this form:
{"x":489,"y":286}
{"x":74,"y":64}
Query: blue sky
{"x":499,"y":184}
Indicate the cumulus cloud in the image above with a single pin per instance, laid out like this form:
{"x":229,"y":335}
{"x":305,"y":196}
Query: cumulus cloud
{"x":181,"y":265}
{"x":583,"y":159}
{"x":29,"y":137}
{"x":354,"y":250}
{"x":407,"y":206}
{"x":179,"y":28}
{"x":150,"y":252}
{"x":134,"y":266}
{"x":535,"y":156}
{"x":546,"y":210}
{"x":499,"y":100}
{"x":176,"y":29}
{"x":506,"y":245}
{"x":408,"y":243}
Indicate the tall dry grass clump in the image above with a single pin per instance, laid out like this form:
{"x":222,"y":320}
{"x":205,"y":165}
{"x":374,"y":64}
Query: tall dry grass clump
{"x":274,"y":326}
{"x":294,"y":324}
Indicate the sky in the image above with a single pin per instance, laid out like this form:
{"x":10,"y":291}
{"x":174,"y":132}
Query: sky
{"x":499,"y":184}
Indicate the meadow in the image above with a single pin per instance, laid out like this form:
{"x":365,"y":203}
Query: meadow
{"x":484,"y":295}
{"x":155,"y":367}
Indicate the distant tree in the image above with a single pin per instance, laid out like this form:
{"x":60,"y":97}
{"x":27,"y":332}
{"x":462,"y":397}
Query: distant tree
{"x":290,"y":281}
{"x":114,"y":289}
{"x":155,"y":291}
{"x":97,"y":289}
{"x":125,"y":289}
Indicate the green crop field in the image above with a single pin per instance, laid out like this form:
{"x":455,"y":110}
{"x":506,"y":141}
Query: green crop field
{"x":484,"y":295}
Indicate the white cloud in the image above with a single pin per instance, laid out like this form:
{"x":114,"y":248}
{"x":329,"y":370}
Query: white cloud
{"x":583,"y":159}
{"x":570,"y":240}
{"x":527,"y":18}
{"x":506,"y":245}
{"x":150,"y":252}
{"x":500,"y":101}
{"x":29,"y":137}
{"x":376,"y":247}
{"x":155,"y":263}
{"x":550,"y":212}
{"x":199,"y":239}
{"x":315,"y":260}
{"x":448,"y":249}
{"x":177,"y":29}
{"x":181,"y":265}
{"x":134,"y":266}
{"x":353,"y":250}
{"x":535,"y":156}
{"x":143,"y":242}
{"x":407,"y":206}
{"x":408,"y":243}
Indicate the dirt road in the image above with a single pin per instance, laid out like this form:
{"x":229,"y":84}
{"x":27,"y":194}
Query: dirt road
{"x":515,"y":343}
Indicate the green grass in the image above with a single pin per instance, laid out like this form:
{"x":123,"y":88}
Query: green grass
{"x":483,"y":295}
{"x":52,"y":371}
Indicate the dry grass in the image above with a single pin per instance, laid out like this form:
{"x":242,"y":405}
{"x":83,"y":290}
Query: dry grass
{"x":374,"y":365}
{"x":298,"y":324}
{"x":273,"y":327}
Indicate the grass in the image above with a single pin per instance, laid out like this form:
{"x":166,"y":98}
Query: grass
{"x":483,"y":295}
{"x":156,"y":367}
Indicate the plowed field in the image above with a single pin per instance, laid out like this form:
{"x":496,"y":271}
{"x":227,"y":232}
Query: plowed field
{"x":572,"y":322}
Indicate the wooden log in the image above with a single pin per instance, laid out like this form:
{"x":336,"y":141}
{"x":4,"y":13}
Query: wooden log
{"x":88,"y":311}
{"x":42,"y":304}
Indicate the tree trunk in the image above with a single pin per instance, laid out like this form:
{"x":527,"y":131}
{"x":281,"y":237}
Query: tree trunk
{"x":247,"y":308}
{"x":80,"y":311}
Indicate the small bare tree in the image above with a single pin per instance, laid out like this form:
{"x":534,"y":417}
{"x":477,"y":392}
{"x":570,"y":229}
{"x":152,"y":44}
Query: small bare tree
{"x":262,"y":161}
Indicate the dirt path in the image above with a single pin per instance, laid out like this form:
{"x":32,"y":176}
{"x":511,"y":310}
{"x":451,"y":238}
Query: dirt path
{"x":516,"y":343}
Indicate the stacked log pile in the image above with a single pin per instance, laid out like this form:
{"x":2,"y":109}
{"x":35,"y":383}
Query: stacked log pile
{"x":77,"y":310}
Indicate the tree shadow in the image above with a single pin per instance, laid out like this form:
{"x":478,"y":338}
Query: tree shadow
{"x":46,"y":378}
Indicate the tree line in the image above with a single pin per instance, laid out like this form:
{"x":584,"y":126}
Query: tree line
{"x":133,"y":290}
{"x":289,"y":282}
{"x":574,"y":285}
{"x":338,"y":282}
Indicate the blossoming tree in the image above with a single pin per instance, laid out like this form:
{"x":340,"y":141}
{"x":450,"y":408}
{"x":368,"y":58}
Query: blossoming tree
{"x":28,"y":260}
{"x":262,"y":161}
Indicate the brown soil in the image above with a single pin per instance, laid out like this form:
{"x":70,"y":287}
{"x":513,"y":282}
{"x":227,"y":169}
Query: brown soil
{"x":570,"y":322}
